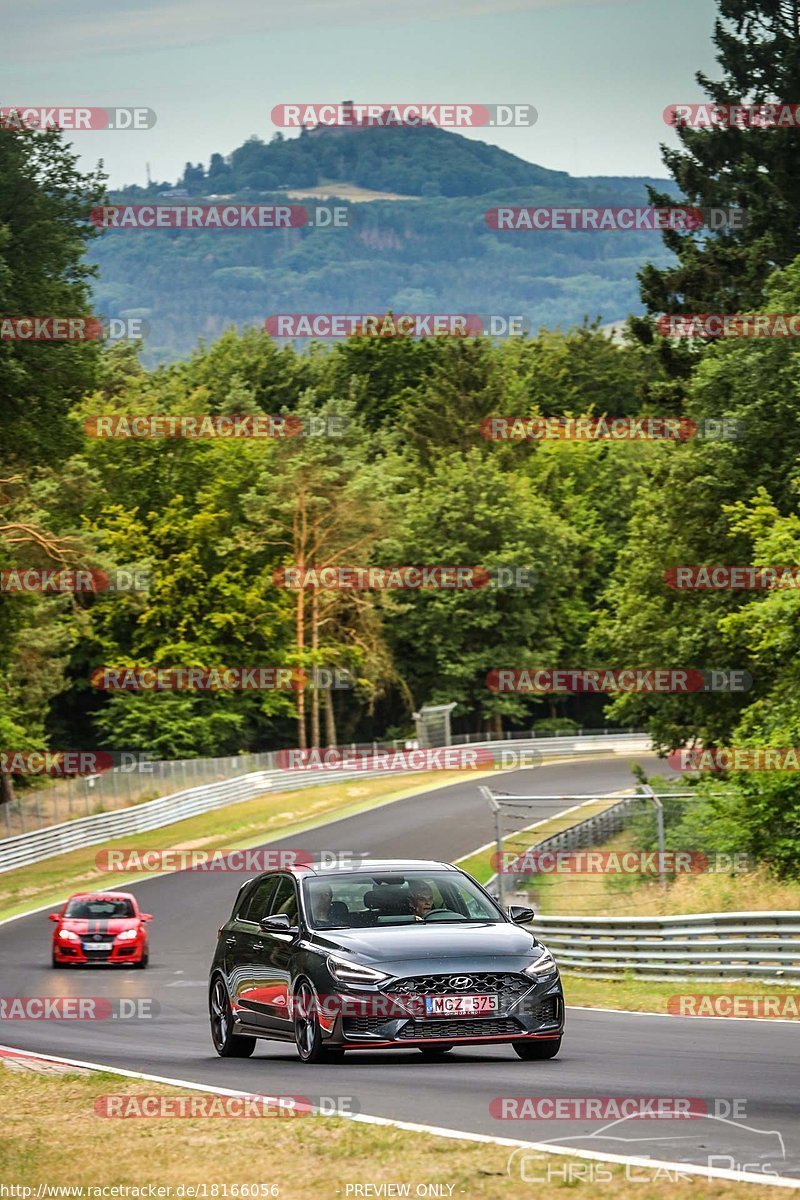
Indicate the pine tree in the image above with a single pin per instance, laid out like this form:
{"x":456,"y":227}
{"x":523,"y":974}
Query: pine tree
{"x":755,"y":168}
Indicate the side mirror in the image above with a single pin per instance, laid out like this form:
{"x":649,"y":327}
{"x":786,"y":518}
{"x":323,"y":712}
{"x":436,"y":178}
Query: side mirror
{"x":145,"y":916}
{"x":520,"y":915}
{"x":54,"y":916}
{"x":277,"y":923}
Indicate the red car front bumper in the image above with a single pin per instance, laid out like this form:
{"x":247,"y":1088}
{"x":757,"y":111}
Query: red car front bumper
{"x":73,"y":954}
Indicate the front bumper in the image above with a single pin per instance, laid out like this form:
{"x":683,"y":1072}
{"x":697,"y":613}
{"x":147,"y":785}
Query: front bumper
{"x":527,"y":1010}
{"x":66,"y":953}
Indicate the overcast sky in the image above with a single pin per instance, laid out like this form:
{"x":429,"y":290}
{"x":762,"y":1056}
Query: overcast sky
{"x":599,"y":72}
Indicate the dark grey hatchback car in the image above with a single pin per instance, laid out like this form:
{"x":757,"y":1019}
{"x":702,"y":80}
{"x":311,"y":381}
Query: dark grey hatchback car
{"x":389,"y":955}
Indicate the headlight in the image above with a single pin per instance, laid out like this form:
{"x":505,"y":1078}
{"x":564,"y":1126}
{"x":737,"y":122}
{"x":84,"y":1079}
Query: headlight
{"x":545,"y":964}
{"x":344,"y":971}
{"x":68,"y":935}
{"x":127,"y":935}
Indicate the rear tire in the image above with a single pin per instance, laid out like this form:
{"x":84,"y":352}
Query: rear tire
{"x":547,"y":1048}
{"x":226,"y":1043}
{"x":308,"y":1031}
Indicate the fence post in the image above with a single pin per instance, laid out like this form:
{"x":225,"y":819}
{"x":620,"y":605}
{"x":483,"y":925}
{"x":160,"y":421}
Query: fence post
{"x":659,"y":807}
{"x":499,"y":837}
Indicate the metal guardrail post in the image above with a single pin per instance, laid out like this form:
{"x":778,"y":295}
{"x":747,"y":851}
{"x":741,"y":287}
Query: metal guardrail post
{"x":662,"y":849}
{"x":499,"y":836}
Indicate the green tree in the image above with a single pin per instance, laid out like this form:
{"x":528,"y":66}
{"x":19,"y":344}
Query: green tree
{"x":756,"y":169}
{"x":467,"y":510}
{"x":45,"y":203}
{"x":688,"y":513}
{"x":44,"y":228}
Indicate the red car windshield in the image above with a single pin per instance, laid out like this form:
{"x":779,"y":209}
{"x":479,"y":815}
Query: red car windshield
{"x":99,"y":910}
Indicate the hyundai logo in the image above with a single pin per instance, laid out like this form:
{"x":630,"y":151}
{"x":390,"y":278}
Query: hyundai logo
{"x":461,"y":982}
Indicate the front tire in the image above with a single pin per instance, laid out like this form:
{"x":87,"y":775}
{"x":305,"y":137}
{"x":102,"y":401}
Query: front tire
{"x":143,"y":961}
{"x":547,"y":1048}
{"x":433,"y":1051}
{"x":308,"y":1031}
{"x":226,"y":1043}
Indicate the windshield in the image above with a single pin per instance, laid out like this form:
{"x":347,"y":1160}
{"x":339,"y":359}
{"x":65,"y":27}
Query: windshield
{"x":370,"y":901}
{"x":99,"y":909}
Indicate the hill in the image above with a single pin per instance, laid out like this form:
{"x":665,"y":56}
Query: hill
{"x":424,"y":161}
{"x":430,"y":252}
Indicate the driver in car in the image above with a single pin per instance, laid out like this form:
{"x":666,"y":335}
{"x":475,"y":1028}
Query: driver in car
{"x":420,"y":899}
{"x":321,"y":904}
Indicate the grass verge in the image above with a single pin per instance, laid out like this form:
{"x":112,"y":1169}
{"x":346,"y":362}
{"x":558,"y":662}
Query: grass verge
{"x":312,"y":1158}
{"x":653,"y":995}
{"x":642,"y":895}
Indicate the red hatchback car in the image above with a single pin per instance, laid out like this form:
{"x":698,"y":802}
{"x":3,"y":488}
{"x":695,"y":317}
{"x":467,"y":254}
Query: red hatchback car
{"x":100,"y":927}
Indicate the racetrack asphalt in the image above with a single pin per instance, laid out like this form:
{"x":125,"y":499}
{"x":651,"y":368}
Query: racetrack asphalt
{"x":605,"y":1054}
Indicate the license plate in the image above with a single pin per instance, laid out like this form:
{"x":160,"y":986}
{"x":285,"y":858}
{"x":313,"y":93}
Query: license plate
{"x":97,"y":945}
{"x":459,"y":1006}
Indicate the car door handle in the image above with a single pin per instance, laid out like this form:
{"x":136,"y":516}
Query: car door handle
{"x":231,"y":941}
{"x":258,"y":945}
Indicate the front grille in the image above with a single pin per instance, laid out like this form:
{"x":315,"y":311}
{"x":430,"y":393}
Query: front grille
{"x":506,"y":985}
{"x":442,"y":1031}
{"x":91,"y":938}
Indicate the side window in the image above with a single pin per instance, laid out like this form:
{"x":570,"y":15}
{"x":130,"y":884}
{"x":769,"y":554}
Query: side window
{"x":257,"y":904}
{"x":285,"y":899}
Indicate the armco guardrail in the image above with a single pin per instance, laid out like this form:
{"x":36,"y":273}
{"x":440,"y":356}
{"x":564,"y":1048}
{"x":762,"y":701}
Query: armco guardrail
{"x":134,"y":781}
{"x":756,"y":945}
{"x":40,"y":844}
